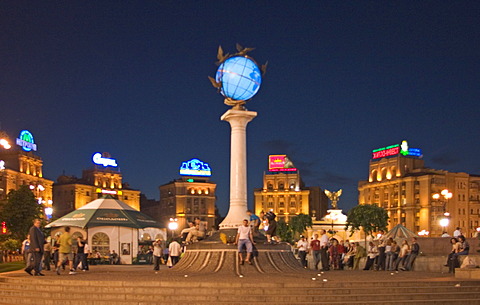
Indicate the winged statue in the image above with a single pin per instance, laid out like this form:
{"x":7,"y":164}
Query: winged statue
{"x":334,"y":197}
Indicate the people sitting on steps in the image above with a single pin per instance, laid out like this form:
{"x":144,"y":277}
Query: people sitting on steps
{"x":197,"y":232}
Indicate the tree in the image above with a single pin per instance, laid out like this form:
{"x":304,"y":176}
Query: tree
{"x":299,"y":223}
{"x":368,"y":217}
{"x":284,"y":231}
{"x":19,"y":211}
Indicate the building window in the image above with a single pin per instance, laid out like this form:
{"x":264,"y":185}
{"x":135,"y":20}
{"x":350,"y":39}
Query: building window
{"x":101,"y":243}
{"x":88,"y":193}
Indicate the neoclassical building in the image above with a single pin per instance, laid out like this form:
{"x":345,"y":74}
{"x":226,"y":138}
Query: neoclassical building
{"x":185,"y":199}
{"x":22,"y":166}
{"x":285,"y":194}
{"x":71,"y":193}
{"x":405,"y":188}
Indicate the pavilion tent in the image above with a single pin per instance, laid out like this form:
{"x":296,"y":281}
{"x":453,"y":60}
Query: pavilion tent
{"x":105,"y":211}
{"x":118,"y":225}
{"x":400,"y":232}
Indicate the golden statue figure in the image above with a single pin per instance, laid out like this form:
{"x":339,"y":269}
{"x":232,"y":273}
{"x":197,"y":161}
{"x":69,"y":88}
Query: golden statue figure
{"x":334,"y":197}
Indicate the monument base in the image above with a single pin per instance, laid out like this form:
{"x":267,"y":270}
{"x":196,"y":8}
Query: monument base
{"x":212,"y":255}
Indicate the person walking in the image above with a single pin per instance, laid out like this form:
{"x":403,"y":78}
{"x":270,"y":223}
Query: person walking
{"x":65,"y":251}
{"x":315,"y":250}
{"x":244,"y":238}
{"x":174,"y":250}
{"x":37,"y":240}
{"x":26,"y":251}
{"x":323,"y":250}
{"x":302,"y":246}
{"x":157,"y":254}
{"x":81,"y":256}
{"x":47,"y":254}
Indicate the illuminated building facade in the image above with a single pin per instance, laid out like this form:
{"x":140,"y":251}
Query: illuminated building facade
{"x":285,"y":194}
{"x":405,"y":188}
{"x":71,"y":193}
{"x":187,"y":198}
{"x":21,"y":166}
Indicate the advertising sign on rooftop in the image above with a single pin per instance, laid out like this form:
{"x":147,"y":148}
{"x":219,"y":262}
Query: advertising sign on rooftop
{"x":195,"y":167}
{"x":25,"y":140}
{"x":396,"y":149}
{"x":104,"y":159}
{"x":280,"y":163}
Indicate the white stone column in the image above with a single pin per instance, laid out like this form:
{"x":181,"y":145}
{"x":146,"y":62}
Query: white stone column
{"x":238,"y":120}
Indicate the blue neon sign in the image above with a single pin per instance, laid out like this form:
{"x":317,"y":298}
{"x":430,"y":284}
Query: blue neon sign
{"x":195,"y":167}
{"x":25,"y":140}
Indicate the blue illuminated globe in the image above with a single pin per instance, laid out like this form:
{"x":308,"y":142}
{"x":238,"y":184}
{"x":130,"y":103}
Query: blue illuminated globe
{"x":240,"y":78}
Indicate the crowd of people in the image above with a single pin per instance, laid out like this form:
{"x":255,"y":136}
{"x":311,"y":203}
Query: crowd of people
{"x":322,"y":252}
{"x":380,"y":254}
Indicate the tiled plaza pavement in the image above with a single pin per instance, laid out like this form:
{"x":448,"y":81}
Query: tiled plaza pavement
{"x":140,"y":285}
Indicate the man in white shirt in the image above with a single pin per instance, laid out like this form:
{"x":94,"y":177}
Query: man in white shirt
{"x":175,"y":251}
{"x":244,"y":238}
{"x":457,"y":232}
{"x":302,"y":246}
{"x":323,"y":250}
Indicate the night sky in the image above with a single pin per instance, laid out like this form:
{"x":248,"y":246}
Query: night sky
{"x":344,"y":77}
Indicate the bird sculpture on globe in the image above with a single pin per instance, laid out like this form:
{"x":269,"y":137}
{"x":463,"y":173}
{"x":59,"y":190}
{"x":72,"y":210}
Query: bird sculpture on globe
{"x":238,"y":77}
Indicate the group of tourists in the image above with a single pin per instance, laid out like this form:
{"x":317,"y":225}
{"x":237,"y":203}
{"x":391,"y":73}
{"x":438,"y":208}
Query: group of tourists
{"x":381,"y":254}
{"x":168,"y":254}
{"x":39,"y":253}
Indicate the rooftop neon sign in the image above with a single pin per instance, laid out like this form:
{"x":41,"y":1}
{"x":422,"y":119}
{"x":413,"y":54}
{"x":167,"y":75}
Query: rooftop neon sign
{"x":280,"y":163}
{"x":396,"y":149}
{"x":25,"y":140}
{"x":195,"y":167}
{"x":100,"y":160}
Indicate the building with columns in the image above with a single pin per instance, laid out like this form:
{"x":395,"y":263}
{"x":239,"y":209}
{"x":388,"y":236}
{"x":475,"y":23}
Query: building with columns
{"x":399,"y":182}
{"x":284,"y":192}
{"x":22,"y":166}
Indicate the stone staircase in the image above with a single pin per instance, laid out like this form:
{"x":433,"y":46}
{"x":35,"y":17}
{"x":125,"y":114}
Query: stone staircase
{"x":172,"y":287}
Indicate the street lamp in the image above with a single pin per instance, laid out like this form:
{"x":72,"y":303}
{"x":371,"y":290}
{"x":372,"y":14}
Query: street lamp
{"x":173,"y":225}
{"x":424,"y":233}
{"x":4,"y":143}
{"x":444,"y":223}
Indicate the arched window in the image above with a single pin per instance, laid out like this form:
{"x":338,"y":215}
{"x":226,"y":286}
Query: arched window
{"x":101,"y":243}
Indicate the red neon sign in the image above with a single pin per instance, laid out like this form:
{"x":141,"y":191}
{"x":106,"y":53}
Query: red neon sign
{"x":386,"y":152}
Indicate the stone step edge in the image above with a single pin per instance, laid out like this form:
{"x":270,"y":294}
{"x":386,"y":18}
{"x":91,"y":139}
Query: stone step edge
{"x":36,"y":301}
{"x":208,"y":284}
{"x":82,"y":296}
{"x":44,"y":287}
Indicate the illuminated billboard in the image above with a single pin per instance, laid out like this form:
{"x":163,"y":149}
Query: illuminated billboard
{"x":104,"y":159}
{"x":195,"y":167}
{"x":396,"y":149}
{"x":280,"y":163}
{"x":25,"y":140}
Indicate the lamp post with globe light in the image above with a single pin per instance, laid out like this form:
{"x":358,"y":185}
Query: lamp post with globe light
{"x":173,"y":225}
{"x":446,"y":194}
